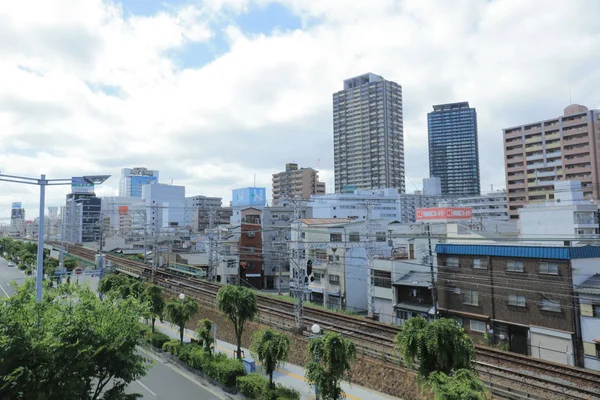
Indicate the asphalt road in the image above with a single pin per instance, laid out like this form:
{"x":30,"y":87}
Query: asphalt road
{"x":163,"y":380}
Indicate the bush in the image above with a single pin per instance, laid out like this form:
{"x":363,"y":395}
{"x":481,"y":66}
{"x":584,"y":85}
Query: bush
{"x":171,"y":346}
{"x":253,"y":385}
{"x":158,"y":339}
{"x":226,"y":371}
{"x":22,"y":267}
{"x":184,"y":351}
{"x":256,"y":386}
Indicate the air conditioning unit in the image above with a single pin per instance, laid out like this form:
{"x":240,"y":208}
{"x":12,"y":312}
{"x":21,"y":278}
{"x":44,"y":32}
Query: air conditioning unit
{"x":457,"y":290}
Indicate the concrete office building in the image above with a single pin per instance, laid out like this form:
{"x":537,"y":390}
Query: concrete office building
{"x":17,"y":218}
{"x":453,"y":148}
{"x":294,"y":182}
{"x":204,"y":203}
{"x":132,"y":180}
{"x":123,"y":214}
{"x":368,"y":138}
{"x":489,"y":206}
{"x":539,"y":153}
{"x":165,"y":205}
{"x":82,"y":218}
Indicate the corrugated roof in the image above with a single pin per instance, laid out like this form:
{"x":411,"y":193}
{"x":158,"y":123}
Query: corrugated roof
{"x":414,"y":278}
{"x":325,"y":221}
{"x":590,"y":286}
{"x":545,"y":252}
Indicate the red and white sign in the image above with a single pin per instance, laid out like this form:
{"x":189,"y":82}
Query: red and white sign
{"x":424,"y":214}
{"x":78,"y":271}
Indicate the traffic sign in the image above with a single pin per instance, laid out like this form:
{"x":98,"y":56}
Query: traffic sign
{"x":78,"y":271}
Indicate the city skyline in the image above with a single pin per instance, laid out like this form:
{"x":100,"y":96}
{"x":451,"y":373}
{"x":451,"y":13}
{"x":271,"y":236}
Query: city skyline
{"x":90,"y":104}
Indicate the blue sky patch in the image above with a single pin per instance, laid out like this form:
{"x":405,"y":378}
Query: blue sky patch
{"x":267,"y":18}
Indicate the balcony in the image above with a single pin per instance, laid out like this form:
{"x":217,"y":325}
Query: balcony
{"x":552,"y":136}
{"x":516,"y":150}
{"x":548,"y":173}
{"x":578,"y":160}
{"x":533,"y":139}
{"x":551,"y":146}
{"x":514,"y":134}
{"x":537,"y":147}
{"x":532,"y":157}
{"x":577,"y":121}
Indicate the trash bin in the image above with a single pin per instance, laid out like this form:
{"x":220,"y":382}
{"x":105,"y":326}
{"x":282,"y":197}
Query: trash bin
{"x":249,"y":364}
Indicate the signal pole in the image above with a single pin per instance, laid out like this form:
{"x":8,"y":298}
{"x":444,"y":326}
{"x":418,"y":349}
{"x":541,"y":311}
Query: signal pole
{"x":369,"y":248}
{"x":211,"y":251}
{"x":300,"y":283}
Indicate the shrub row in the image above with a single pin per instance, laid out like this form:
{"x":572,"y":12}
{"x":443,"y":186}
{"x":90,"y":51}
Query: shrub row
{"x":157,"y":339}
{"x":256,"y":386}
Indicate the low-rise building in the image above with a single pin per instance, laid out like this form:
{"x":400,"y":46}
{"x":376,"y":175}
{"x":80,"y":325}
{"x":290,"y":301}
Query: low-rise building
{"x":589,"y":300}
{"x":491,"y":205}
{"x":519,"y":297}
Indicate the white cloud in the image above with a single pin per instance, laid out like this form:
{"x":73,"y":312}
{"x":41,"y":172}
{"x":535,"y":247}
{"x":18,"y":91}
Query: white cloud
{"x":86,"y":89}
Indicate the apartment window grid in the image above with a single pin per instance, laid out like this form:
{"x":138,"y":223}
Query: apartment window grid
{"x":382,"y":278}
{"x":478,"y":326}
{"x":552,"y":305}
{"x":479,"y":263}
{"x":514,"y":266}
{"x":516,"y":300}
{"x":471,"y":297}
{"x":548,"y":268}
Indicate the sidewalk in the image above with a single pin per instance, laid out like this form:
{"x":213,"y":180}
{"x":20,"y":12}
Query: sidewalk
{"x":290,"y":375}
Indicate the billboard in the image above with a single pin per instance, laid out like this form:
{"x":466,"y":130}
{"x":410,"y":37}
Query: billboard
{"x":16,"y":205}
{"x":425,"y":214}
{"x":123,"y":210}
{"x":80,"y":185}
{"x":251,"y":196}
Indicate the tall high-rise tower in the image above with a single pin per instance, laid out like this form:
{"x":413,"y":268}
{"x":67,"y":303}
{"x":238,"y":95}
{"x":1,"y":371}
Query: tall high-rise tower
{"x":453,"y":148}
{"x":132,"y":180}
{"x":368,"y":138}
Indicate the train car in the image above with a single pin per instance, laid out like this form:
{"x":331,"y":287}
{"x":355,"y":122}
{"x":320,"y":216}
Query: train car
{"x":187,"y":270}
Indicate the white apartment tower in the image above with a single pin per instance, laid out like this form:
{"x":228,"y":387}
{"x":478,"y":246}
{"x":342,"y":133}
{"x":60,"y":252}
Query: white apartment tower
{"x":368,"y":138}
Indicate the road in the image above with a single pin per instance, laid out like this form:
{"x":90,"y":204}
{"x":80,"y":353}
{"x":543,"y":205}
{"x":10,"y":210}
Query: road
{"x":163,"y":380}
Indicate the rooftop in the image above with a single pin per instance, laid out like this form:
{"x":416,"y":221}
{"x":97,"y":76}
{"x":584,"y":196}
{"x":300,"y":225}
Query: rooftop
{"x":520,"y":251}
{"x":451,"y":106}
{"x":590,"y":286}
{"x":414,"y":278}
{"x":325,"y":221}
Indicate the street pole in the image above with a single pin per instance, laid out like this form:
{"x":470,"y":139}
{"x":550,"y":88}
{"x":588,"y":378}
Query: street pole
{"x":62,"y":246}
{"x":40,"y":251}
{"x":433,"y":292}
{"x":101,"y":256}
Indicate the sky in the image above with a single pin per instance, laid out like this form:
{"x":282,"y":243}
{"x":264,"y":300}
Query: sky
{"x":220,"y":94}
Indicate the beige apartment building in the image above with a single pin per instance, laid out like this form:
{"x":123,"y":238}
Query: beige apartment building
{"x":540,"y":153}
{"x":295,"y":182}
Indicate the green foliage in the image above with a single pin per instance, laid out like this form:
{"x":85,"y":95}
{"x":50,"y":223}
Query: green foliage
{"x":158,"y":339}
{"x":252,"y":385}
{"x":70,"y":346}
{"x":179,"y":312}
{"x":121,"y":286}
{"x":441,"y":345}
{"x":171,"y":346}
{"x":271,"y":347}
{"x":204,"y":334}
{"x":462,"y":385}
{"x":333,"y":356}
{"x":239,"y":305}
{"x":22,"y":267}
{"x":156,"y":302}
{"x":70,"y":264}
{"x":226,"y":371}
{"x":256,"y":386}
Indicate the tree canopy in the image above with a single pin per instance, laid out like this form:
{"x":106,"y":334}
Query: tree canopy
{"x":461,"y":385}
{"x":271,"y":347}
{"x":332,"y":359}
{"x":179,"y":312}
{"x":238,"y":303}
{"x":156,"y":302}
{"x":72,"y":346}
{"x":204,"y":334}
{"x":441,"y":345}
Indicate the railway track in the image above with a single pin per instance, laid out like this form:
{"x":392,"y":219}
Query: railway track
{"x":534,"y":378}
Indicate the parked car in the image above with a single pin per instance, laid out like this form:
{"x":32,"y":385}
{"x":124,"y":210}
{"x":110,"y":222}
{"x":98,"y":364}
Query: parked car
{"x":12,"y":264}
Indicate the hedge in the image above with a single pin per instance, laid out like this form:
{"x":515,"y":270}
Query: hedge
{"x":256,"y":386}
{"x":158,"y":339}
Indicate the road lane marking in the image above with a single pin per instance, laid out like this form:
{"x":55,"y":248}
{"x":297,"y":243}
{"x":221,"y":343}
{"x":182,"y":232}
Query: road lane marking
{"x":7,"y":296}
{"x":291,"y":374}
{"x":146,"y":387}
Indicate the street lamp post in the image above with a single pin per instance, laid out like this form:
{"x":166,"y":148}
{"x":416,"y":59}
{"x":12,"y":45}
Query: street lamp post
{"x":42,"y":182}
{"x":316,"y":330}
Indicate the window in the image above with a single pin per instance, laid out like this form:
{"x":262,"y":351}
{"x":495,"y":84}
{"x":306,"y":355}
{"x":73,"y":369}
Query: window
{"x":354,"y":237}
{"x":335,"y":237}
{"x":382,"y":278}
{"x":303,"y":235}
{"x":514,"y":266}
{"x":550,"y":305}
{"x":471,"y":297}
{"x":477,"y":326}
{"x":516,"y":300}
{"x":548,"y":268}
{"x":479,"y":263}
{"x":334,"y":279}
{"x":452,"y":262}
{"x":459,"y":321}
{"x":456,"y":290}
{"x":596,"y":310}
{"x":230,"y":263}
{"x":317,"y":277}
{"x":380,"y":236}
{"x":598,"y":350}
{"x":250,"y":234}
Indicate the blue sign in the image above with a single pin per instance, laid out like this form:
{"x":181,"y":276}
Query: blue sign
{"x":251,"y":196}
{"x":80,"y":185}
{"x":16,"y":205}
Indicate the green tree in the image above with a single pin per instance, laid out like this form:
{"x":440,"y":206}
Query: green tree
{"x":462,"y":385}
{"x":27,"y":259}
{"x":153,"y":295}
{"x":71,"y":346}
{"x":70,"y":264}
{"x":441,"y":345}
{"x":204,"y":334}
{"x":179,"y":312}
{"x":272,"y":348}
{"x":238,"y":303}
{"x":332,"y":358}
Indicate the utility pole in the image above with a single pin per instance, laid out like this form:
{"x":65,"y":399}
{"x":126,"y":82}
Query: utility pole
{"x":211,"y":251}
{"x":370,"y":250}
{"x":433,"y":291}
{"x":299,"y":273}
{"x":155,"y":249}
{"x":279,"y":251}
{"x":101,"y":256}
